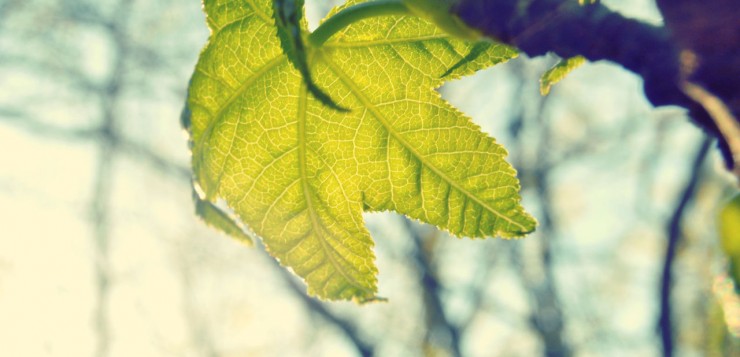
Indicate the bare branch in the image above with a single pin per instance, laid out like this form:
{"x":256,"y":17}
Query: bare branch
{"x":593,"y":31}
{"x":432,"y":291}
{"x":665,"y":323}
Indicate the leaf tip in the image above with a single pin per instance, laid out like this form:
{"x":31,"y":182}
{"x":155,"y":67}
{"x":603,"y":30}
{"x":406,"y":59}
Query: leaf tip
{"x":220,"y":220}
{"x":544,"y":89}
{"x":556,"y":73}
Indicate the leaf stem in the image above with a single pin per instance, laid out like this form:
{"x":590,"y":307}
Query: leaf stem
{"x":353,"y":14}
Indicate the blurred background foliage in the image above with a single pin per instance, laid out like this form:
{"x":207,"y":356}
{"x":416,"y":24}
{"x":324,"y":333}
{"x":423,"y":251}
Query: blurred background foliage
{"x":101,"y":255}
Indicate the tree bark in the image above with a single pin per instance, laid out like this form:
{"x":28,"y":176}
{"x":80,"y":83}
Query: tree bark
{"x":698,"y":45}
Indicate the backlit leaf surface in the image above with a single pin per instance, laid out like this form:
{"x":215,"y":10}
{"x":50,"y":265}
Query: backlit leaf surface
{"x":729,"y":232}
{"x":299,"y":174}
{"x":558,"y":72}
{"x":220,"y":220}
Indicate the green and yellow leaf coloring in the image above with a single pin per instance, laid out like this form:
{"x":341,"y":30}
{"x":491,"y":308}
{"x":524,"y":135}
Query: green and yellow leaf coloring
{"x":729,"y":233}
{"x":299,"y":174}
{"x":220,"y":220}
{"x":558,"y":72}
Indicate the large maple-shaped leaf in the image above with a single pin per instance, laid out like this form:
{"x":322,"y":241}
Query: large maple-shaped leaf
{"x":299,"y":174}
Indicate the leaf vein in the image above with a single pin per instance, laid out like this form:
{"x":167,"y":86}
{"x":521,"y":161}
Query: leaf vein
{"x":384,"y":42}
{"x":307,"y":195}
{"x":385,"y":122}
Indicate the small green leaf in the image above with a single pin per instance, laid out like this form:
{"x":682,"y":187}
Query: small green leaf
{"x":478,"y":50}
{"x":218,"y":219}
{"x":300,"y":174}
{"x":558,"y":72}
{"x":729,"y":232}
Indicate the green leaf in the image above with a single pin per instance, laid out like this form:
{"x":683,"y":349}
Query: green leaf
{"x":300,"y":174}
{"x":220,"y":220}
{"x":729,"y":232}
{"x":558,"y":72}
{"x":479,"y":49}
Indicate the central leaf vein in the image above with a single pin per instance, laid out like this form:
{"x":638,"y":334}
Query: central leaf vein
{"x":319,"y":230}
{"x":406,"y":145}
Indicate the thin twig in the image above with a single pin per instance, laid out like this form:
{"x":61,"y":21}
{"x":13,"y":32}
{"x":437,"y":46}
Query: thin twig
{"x":546,"y":317}
{"x":103,"y":182}
{"x":665,"y":323}
{"x":101,"y":230}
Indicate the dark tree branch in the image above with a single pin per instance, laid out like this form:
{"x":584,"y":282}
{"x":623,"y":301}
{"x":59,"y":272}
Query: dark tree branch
{"x":665,"y":323}
{"x":568,"y":29}
{"x":708,"y":35}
